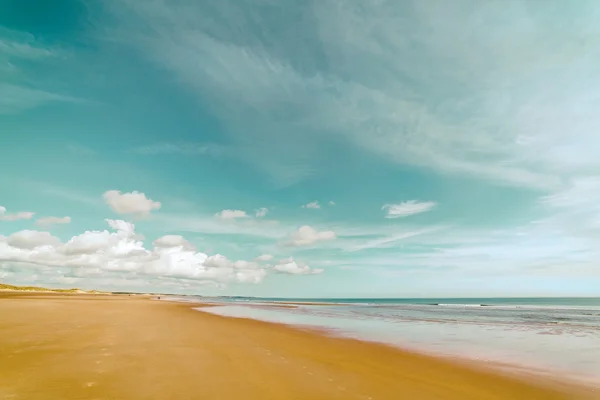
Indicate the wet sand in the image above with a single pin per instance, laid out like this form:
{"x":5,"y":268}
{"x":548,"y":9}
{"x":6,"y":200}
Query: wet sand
{"x":60,"y":347}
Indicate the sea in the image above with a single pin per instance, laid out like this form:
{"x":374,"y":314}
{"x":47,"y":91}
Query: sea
{"x":557,"y":337}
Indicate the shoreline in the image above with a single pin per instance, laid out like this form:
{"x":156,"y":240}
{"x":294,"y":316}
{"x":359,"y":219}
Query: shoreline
{"x":92,"y":346}
{"x":486,"y":357}
{"x":512,"y":370}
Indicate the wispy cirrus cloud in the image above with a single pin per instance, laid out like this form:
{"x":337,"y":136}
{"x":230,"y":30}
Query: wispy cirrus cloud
{"x":261,"y":212}
{"x":391,"y":240}
{"x":22,"y":45}
{"x":18,"y":49}
{"x":488,"y":113}
{"x":407,"y":208}
{"x":15,"y":98}
{"x":80,"y":149}
{"x":49,"y":221}
{"x":191,"y":149}
{"x":64,"y":193}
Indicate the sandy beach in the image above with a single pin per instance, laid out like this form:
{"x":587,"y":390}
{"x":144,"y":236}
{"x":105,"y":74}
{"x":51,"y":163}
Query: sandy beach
{"x":120,"y":347}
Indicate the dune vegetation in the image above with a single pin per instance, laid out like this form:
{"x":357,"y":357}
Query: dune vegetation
{"x":7,"y":287}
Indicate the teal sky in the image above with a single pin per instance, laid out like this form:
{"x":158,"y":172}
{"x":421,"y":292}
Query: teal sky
{"x":301,"y":148}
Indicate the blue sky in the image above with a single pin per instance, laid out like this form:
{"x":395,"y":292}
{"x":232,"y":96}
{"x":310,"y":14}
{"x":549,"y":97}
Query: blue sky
{"x":301,"y":148}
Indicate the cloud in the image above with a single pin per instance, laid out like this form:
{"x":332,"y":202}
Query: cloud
{"x":306,"y":235}
{"x":264,"y":257}
{"x":313,"y":205}
{"x":47,"y":221}
{"x":18,"y":52}
{"x":173,"y":241}
{"x":289,"y":266}
{"x":15,"y":98}
{"x":489,"y":113}
{"x":31,"y":239}
{"x":81,"y":150}
{"x":64,"y":193}
{"x":16,"y":216}
{"x":407,"y":208}
{"x":134,"y":203}
{"x":101,"y":253}
{"x":261,"y":212}
{"x":22,"y":46}
{"x":231,"y":214}
{"x":390,"y":240}
{"x":331,"y":203}
{"x":573,"y":210}
{"x":191,"y":149}
{"x":259,"y":228}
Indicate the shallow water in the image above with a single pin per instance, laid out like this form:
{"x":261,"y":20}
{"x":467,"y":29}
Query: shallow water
{"x":555,"y":339}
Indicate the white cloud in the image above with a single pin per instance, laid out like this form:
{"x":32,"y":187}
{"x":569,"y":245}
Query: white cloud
{"x":306,"y":235}
{"x":387,"y":241}
{"x":173,"y":241}
{"x":134,"y":203}
{"x":331,"y":203}
{"x":313,"y":205}
{"x":122,"y":227}
{"x":289,"y":266}
{"x":231,"y":214}
{"x":15,"y":216}
{"x":498,"y":118}
{"x":47,"y":221}
{"x":261,"y":212}
{"x":407,"y":208}
{"x":264,"y":257}
{"x":28,"y":239}
{"x":99,"y":254}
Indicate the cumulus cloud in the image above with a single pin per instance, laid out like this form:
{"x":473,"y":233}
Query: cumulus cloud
{"x":47,"y":221}
{"x":133,"y":203}
{"x":231,"y":214}
{"x":121,"y":226}
{"x":332,"y":203}
{"x":313,"y":205}
{"x":15,"y":216}
{"x":119,"y":250}
{"x":28,"y":239}
{"x":289,"y":266}
{"x":261,"y":212}
{"x":407,"y":208}
{"x":264,"y":257}
{"x":173,"y":241}
{"x":306,"y":235}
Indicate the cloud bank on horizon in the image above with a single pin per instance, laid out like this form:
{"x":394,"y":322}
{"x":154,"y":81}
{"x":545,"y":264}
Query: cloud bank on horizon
{"x":172,"y":257}
{"x":303,"y":148}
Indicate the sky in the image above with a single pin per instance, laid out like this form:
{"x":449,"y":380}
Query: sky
{"x":293,"y":148}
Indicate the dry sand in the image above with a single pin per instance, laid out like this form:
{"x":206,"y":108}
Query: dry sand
{"x":61,"y":347}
